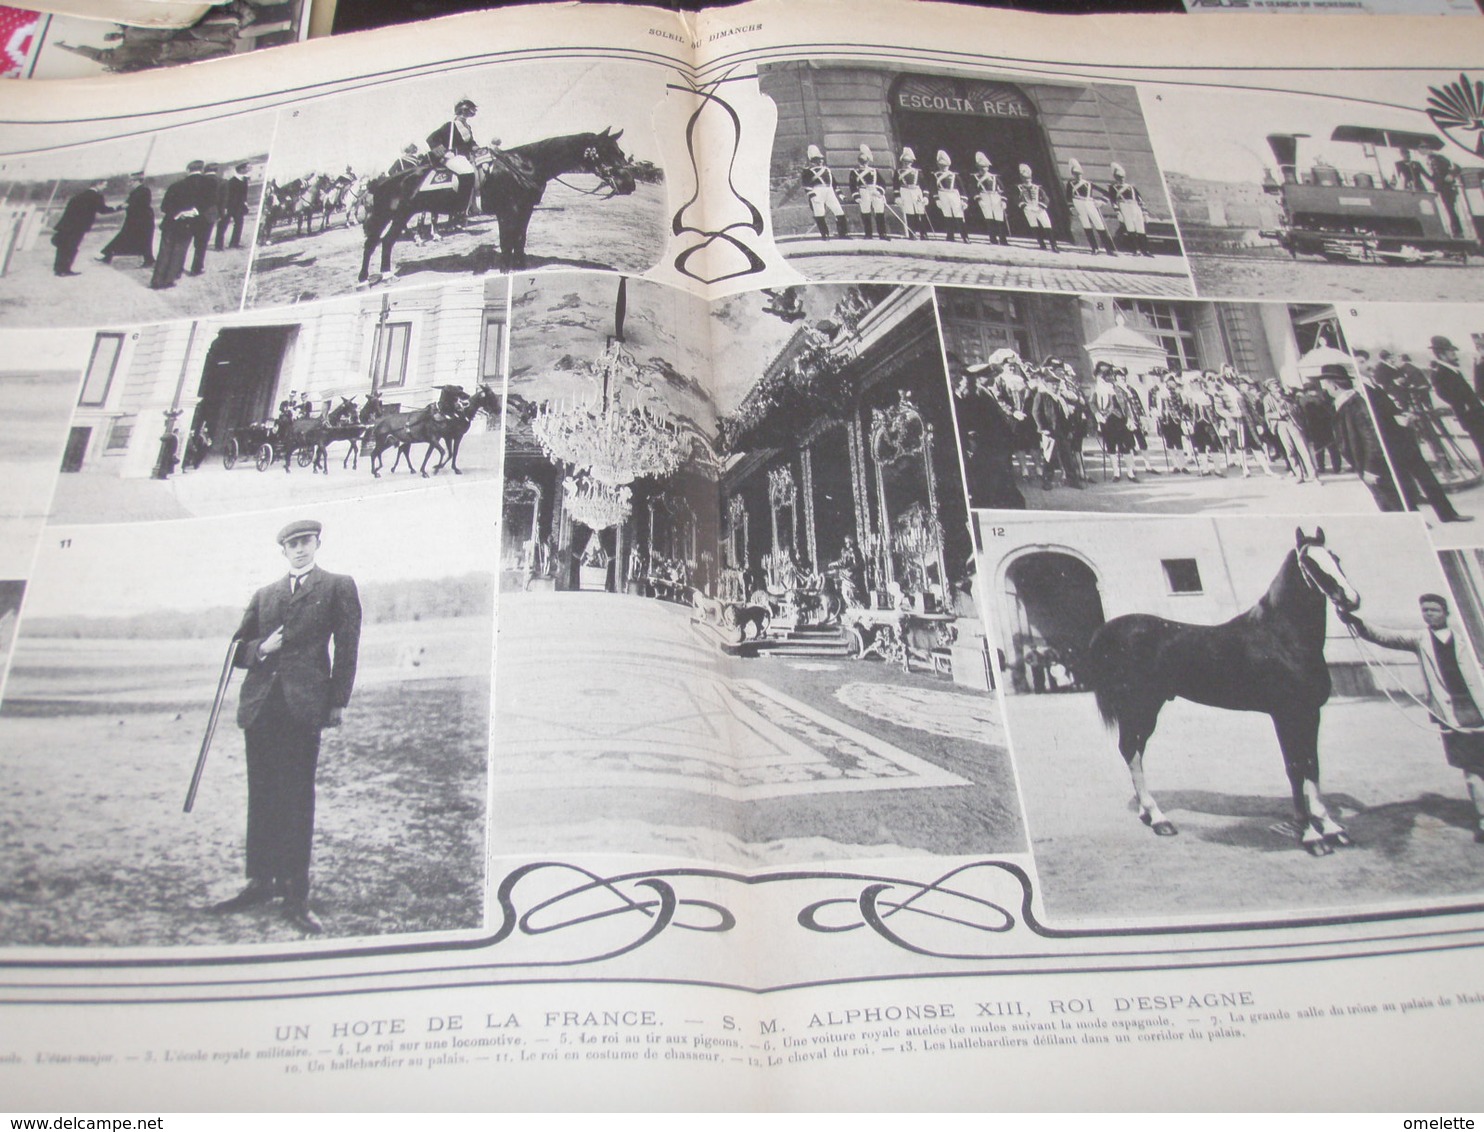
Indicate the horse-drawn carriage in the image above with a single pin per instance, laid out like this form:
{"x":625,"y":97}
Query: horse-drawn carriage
{"x":253,"y":441}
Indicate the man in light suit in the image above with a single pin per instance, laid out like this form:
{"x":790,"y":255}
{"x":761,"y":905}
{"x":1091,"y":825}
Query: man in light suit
{"x":1455,"y":692}
{"x":291,"y":691}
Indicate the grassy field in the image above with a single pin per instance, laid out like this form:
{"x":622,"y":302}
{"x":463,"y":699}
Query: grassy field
{"x":97,"y":740}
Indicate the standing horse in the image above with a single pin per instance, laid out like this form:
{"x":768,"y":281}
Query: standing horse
{"x":307,"y":207}
{"x":1269,"y":659}
{"x":513,"y":183}
{"x":342,"y":423}
{"x":452,"y":429}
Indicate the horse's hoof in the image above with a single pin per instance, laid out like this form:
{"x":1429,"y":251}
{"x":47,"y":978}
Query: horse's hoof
{"x":1162,"y":828}
{"x":1319,"y":848}
{"x":1341,"y":840}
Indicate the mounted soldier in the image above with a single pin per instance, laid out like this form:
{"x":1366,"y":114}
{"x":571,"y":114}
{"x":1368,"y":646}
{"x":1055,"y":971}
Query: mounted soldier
{"x":451,"y":147}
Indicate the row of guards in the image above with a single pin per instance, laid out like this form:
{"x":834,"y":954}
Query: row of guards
{"x":950,"y":193}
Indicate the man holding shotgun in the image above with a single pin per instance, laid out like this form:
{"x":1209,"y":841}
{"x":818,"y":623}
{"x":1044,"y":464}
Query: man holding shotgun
{"x":292,"y":689}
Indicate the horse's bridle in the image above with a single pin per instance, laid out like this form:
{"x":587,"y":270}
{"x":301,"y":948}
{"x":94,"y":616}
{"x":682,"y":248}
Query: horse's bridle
{"x":1306,"y":571}
{"x":605,"y":172}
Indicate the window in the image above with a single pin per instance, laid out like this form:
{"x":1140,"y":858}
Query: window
{"x":393,"y":342}
{"x":119,"y":433}
{"x":105,"y":359}
{"x":1182,"y":575}
{"x":1173,"y":327}
{"x":976,"y":324}
{"x":494,"y":349}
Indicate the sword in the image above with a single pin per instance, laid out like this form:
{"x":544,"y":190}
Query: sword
{"x":216,"y":711}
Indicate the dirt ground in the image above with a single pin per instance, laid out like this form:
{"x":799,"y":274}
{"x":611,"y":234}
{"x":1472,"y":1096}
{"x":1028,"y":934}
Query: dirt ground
{"x":569,"y":230}
{"x":1218,"y":775}
{"x":104,"y":294}
{"x":97,"y":741}
{"x":1261,"y":275}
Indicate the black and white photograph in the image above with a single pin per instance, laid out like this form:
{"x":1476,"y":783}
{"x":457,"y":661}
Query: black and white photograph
{"x":738,"y":618}
{"x":491,"y":170}
{"x":967,"y":178}
{"x":1147,"y":405}
{"x":133,"y":229}
{"x":1292,"y":197}
{"x":1421,"y":368}
{"x":276,"y":728}
{"x":369,"y":395}
{"x":1225,"y":718}
{"x":72,"y":47}
{"x":38,"y":387}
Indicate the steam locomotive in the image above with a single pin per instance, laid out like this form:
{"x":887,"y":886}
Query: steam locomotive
{"x":1418,"y":211}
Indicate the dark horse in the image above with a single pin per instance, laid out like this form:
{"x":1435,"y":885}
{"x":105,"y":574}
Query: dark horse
{"x":441,"y":426}
{"x":1269,"y":659}
{"x":513,"y":183}
{"x":342,"y":423}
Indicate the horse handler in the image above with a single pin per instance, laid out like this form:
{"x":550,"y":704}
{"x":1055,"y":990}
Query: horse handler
{"x":1454,"y":690}
{"x":291,"y":691}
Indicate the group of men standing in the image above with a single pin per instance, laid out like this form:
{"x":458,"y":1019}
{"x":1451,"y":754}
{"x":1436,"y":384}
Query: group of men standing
{"x":199,"y":205}
{"x":918,"y":199}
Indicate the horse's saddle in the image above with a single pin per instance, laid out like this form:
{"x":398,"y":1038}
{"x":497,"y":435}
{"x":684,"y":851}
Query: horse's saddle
{"x":437,"y":179}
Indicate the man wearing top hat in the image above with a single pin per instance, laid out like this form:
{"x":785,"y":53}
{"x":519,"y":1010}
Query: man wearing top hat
{"x":989,"y":193}
{"x":292,"y":690}
{"x":870,"y":195}
{"x":819,"y":187}
{"x":1454,"y":389}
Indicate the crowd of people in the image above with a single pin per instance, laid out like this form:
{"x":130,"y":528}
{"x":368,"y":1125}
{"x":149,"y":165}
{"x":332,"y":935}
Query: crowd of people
{"x":1025,"y":422}
{"x":199,"y":206}
{"x":947,"y":201}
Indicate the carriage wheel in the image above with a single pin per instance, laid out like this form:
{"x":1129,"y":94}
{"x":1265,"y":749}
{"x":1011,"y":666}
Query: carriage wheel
{"x":230,"y":454}
{"x":305,"y":455}
{"x":265,"y":457}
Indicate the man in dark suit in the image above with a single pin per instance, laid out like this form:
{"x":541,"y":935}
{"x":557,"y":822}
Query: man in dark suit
{"x":180,"y":207}
{"x":208,"y":206}
{"x":75,"y":223}
{"x":1357,"y":437}
{"x":292,"y":690}
{"x":1395,"y":429}
{"x":233,"y":208}
{"x":1454,"y":389}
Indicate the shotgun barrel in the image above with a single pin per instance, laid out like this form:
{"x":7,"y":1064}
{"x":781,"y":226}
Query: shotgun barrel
{"x":216,"y":711}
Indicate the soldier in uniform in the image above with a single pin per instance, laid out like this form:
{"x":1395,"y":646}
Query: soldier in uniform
{"x":292,"y":690}
{"x":1082,"y":196}
{"x":948,"y":197}
{"x":1034,"y":205}
{"x":819,"y":187}
{"x":1114,"y":412}
{"x":1131,"y":212}
{"x":406,"y":161}
{"x":452,"y":147}
{"x":907,"y":182}
{"x":989,"y":192}
{"x":870,"y":195}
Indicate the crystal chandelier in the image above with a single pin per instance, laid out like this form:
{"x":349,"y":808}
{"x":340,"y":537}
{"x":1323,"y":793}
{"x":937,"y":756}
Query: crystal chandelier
{"x":603,"y":435}
{"x":596,"y":505}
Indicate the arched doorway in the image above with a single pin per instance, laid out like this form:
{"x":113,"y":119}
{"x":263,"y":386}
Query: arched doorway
{"x":1054,"y":608}
{"x":240,"y":379}
{"x":966,"y":116}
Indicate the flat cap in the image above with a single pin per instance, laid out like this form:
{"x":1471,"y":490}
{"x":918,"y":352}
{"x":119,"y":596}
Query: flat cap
{"x":299,"y":527}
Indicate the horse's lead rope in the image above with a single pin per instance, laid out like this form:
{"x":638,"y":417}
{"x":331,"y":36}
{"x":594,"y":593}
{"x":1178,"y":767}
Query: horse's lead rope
{"x":1374,"y":662}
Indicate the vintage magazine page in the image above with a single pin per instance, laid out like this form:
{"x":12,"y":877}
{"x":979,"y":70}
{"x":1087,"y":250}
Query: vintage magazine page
{"x":805,"y":556}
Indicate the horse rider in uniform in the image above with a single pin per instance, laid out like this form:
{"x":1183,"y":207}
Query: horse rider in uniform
{"x":1454,"y":692}
{"x":1034,"y":205}
{"x":292,"y":691}
{"x":989,"y":192}
{"x":452,"y":147}
{"x":907,"y":182}
{"x":1131,"y":211}
{"x":819,"y":187}
{"x":949,"y":198}
{"x":870,"y":195}
{"x":1082,"y":196}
